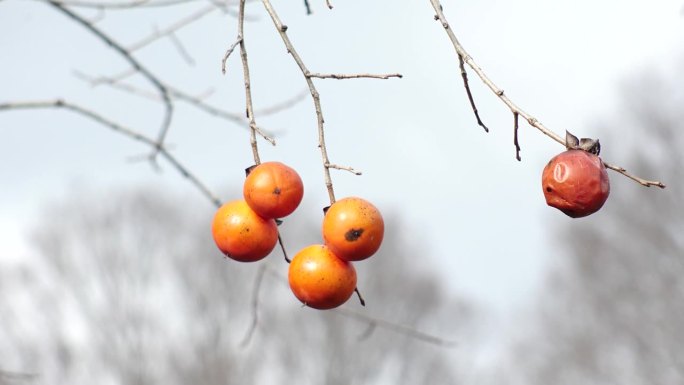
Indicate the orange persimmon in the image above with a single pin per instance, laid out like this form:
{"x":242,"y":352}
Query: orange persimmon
{"x":320,"y":279}
{"x":241,"y":234}
{"x":353,"y":229}
{"x":273,"y":189}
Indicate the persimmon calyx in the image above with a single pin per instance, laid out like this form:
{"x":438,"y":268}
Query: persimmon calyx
{"x":587,"y":144}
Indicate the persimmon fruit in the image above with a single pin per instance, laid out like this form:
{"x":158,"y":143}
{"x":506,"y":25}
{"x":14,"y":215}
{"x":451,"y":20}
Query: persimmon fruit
{"x":353,"y":228}
{"x":241,"y":234}
{"x":576,"y":183}
{"x":319,"y":279}
{"x":273,"y":189}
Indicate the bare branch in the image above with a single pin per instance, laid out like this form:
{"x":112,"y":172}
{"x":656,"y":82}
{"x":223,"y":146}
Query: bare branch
{"x":227,"y":54}
{"x":281,"y":28}
{"x":308,"y":7}
{"x":353,"y":76}
{"x":380,"y":323}
{"x":395,"y":327}
{"x":61,"y":104}
{"x":532,"y":121}
{"x":163,"y":91}
{"x":284,"y":105}
{"x":122,"y":5}
{"x":258,"y":279}
{"x":515,"y":136}
{"x":464,"y":75}
{"x":282,"y":247}
{"x":181,"y":49}
{"x":643,"y":182}
{"x":248,"y":85}
{"x":171,"y":29}
{"x":344,"y":168}
{"x":358,"y":294}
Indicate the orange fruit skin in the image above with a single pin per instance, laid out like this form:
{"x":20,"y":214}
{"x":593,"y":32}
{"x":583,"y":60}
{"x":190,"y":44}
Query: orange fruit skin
{"x":320,"y":279}
{"x":241,"y":234}
{"x":576,"y":183}
{"x":273,"y":190}
{"x":353,"y":229}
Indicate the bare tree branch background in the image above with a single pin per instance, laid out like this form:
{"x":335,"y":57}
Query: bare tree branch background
{"x":613,"y":304}
{"x":122,"y":284}
{"x":137,"y":293}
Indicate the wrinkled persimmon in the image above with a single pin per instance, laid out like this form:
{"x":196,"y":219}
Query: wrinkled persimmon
{"x":273,"y":189}
{"x":576,"y":183}
{"x":319,"y":279}
{"x":241,"y":234}
{"x":353,"y":229}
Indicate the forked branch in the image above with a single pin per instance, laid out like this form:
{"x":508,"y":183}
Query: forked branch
{"x":464,"y":57}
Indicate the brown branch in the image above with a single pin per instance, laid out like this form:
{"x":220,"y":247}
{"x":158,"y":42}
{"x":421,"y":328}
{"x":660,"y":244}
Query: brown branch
{"x":515,"y":136}
{"x":282,"y":247}
{"x":532,"y":121}
{"x":464,"y":76}
{"x":360,"y":297}
{"x":180,"y":95}
{"x":248,"y":85}
{"x":344,"y":168}
{"x":353,"y":76}
{"x":163,"y":151}
{"x":227,"y":54}
{"x":163,"y":91}
{"x":643,"y":182}
{"x":281,"y":28}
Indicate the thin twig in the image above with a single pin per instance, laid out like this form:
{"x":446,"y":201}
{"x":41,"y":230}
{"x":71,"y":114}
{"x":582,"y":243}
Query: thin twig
{"x":353,"y":76}
{"x":281,"y":28}
{"x":397,"y":328}
{"x":358,"y":294}
{"x":255,"y":306}
{"x":61,"y":104}
{"x":308,"y":7}
{"x":249,"y":109}
{"x":344,"y":168}
{"x":163,"y":91}
{"x":464,"y":76}
{"x":532,"y":121}
{"x":515,"y":136}
{"x":227,"y":54}
{"x":122,"y":5}
{"x":171,"y":29}
{"x":329,"y":4}
{"x":641,"y":181}
{"x":284,"y":105}
{"x":380,"y":323}
{"x":282,"y":247}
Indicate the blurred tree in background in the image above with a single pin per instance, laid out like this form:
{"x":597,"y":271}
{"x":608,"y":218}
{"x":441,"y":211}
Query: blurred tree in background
{"x":613,"y":309}
{"x":135,"y":293}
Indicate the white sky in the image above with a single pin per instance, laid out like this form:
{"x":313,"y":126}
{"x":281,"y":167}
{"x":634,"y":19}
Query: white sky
{"x":479,"y":215}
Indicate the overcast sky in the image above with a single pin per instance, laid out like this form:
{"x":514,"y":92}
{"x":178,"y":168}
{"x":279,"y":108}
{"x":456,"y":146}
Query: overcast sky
{"x":478,"y":213}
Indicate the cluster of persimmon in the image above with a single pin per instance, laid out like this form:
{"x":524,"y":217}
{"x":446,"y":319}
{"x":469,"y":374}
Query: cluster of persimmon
{"x":321,"y":276}
{"x":575,"y":181}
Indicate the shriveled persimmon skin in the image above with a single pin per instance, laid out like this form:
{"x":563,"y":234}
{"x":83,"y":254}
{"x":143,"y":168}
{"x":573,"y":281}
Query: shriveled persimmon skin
{"x":576,"y":183}
{"x":241,"y":234}
{"x":319,"y":279}
{"x":273,"y":190}
{"x":353,"y":229}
